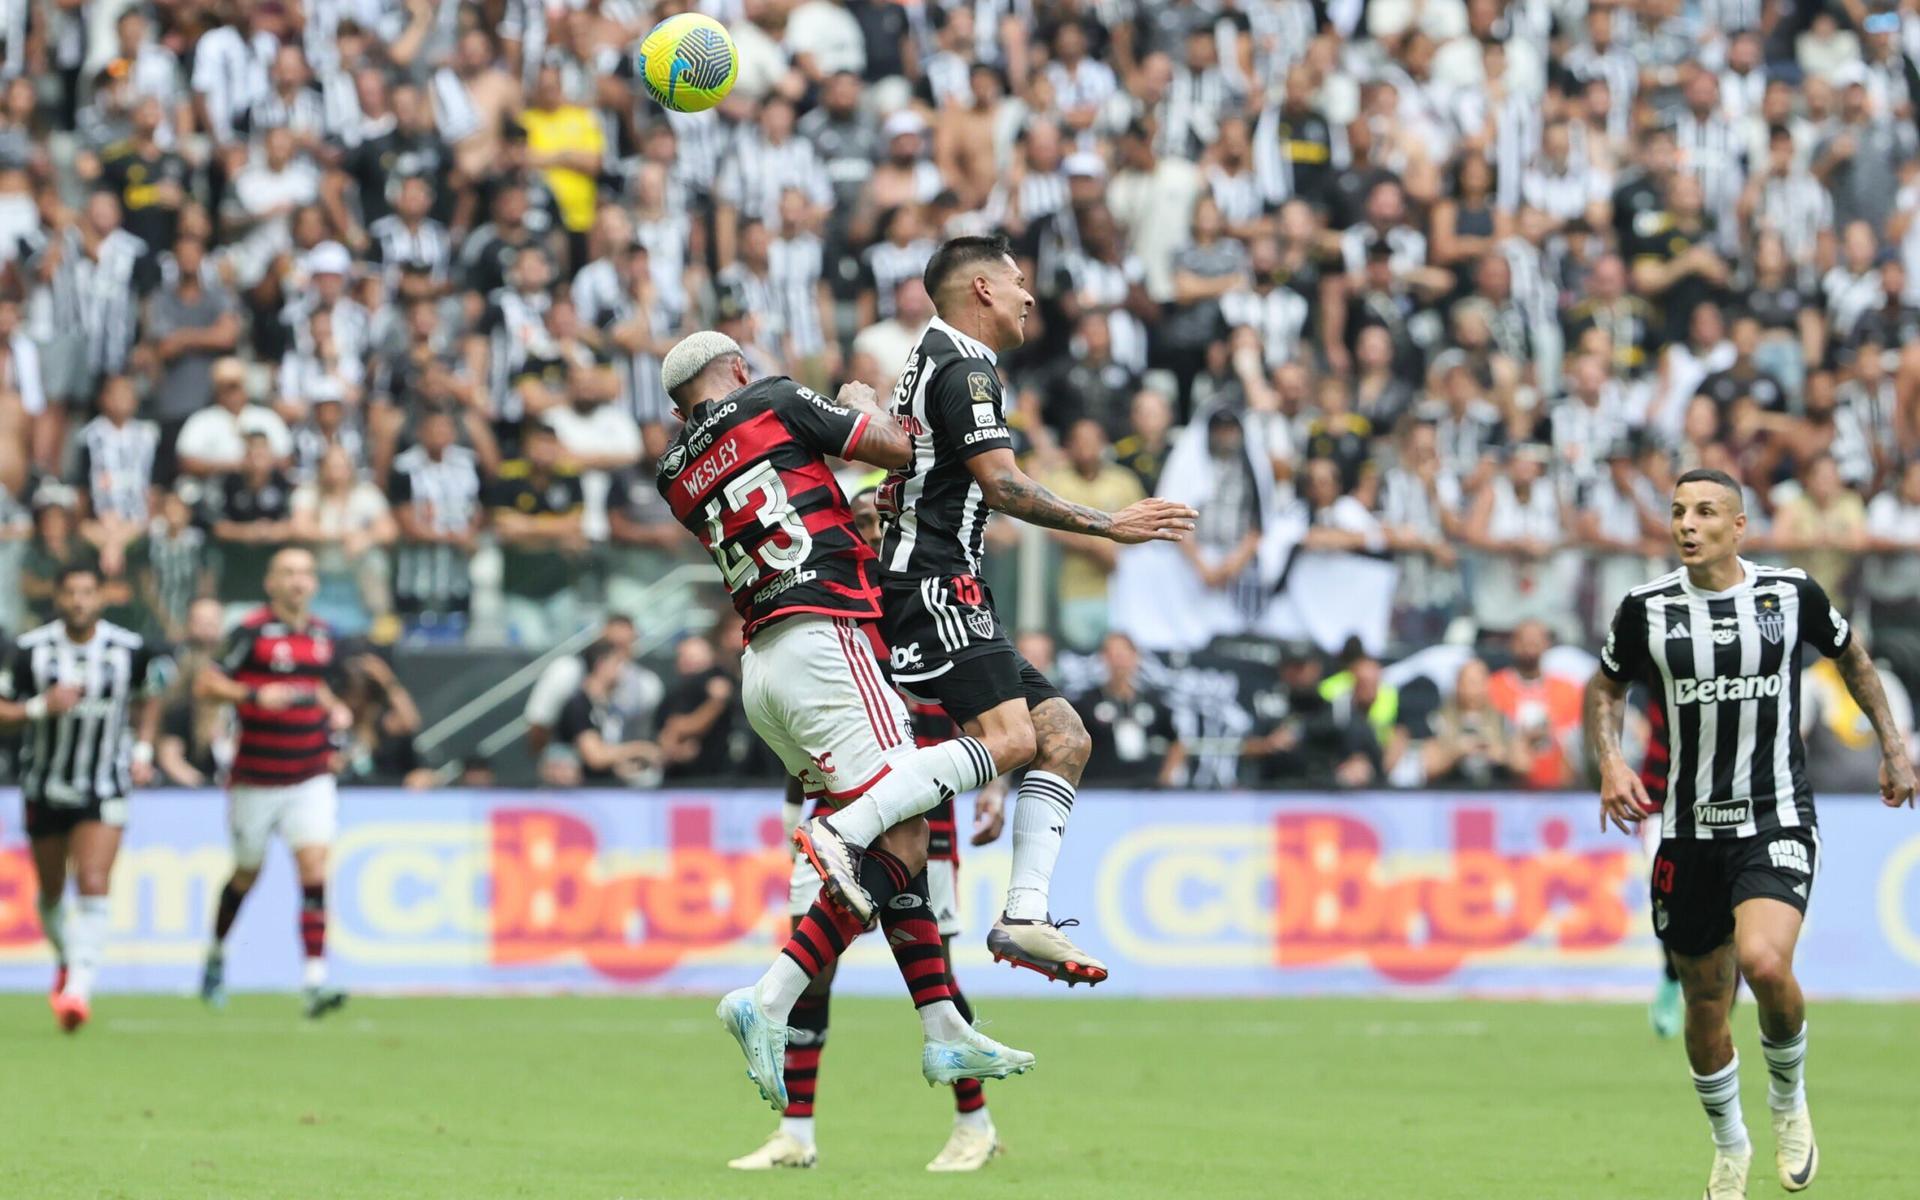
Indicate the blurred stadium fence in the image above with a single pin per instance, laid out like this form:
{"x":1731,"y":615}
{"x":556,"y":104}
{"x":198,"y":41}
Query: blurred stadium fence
{"x":1183,"y":894}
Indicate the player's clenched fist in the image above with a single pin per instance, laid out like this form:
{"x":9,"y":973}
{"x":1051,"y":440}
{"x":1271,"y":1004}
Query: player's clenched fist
{"x":1151,"y":520}
{"x":1896,"y":779}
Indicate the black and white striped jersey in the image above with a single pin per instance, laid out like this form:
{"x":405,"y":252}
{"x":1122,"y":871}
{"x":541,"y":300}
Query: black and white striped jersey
{"x":398,"y":247}
{"x":116,"y":466}
{"x":81,"y":757}
{"x":1725,"y":669}
{"x":948,"y":399}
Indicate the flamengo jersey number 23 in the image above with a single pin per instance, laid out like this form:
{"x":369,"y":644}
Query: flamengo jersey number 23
{"x":1725,"y":668}
{"x":746,"y":476}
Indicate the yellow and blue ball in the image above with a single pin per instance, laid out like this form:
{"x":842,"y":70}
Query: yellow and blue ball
{"x":689,"y":62}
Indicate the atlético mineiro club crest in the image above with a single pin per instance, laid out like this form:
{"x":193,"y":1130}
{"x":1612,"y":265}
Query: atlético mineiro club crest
{"x":980,"y":620}
{"x":1773,"y":622}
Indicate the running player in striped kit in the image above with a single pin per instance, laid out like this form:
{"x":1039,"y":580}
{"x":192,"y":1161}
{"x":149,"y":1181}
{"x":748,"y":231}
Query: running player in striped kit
{"x":87,"y":692}
{"x":747,"y":476}
{"x":1719,"y":643}
{"x":974,"y":1141}
{"x":277,"y":669}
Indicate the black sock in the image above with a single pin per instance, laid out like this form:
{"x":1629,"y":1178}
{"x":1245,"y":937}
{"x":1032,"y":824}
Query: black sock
{"x":883,"y":875}
{"x":228,"y":912}
{"x":806,"y":1038}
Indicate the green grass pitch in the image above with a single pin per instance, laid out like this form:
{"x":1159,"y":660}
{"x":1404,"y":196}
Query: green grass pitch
{"x":605,"y":1097}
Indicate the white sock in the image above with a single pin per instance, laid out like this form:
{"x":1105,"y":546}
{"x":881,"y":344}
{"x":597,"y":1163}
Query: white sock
{"x":913,"y":785}
{"x":314,"y":974}
{"x":1039,"y":820}
{"x":87,"y":938}
{"x":1786,"y":1071}
{"x":977,"y":1119}
{"x":800,"y":1129}
{"x":1720,"y":1096}
{"x":780,"y":987}
{"x":53,"y":926}
{"x":942,"y":1022}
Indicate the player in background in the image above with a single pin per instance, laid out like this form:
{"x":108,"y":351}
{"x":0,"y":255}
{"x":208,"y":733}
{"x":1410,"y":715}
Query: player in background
{"x":949,"y":646}
{"x":1720,"y":641}
{"x":747,"y":476}
{"x":974,"y":1141}
{"x":1667,"y":1012}
{"x":277,"y":669}
{"x":88,"y":694}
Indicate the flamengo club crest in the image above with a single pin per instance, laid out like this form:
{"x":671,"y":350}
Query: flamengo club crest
{"x":1773,"y":622}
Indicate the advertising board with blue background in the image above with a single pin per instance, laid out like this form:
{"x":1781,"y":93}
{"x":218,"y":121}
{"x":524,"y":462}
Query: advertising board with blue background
{"x":1180,"y":893}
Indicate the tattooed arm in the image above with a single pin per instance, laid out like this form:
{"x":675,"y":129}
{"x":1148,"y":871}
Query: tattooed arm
{"x":1863,"y":684}
{"x":1009,"y":490}
{"x":1623,"y":798}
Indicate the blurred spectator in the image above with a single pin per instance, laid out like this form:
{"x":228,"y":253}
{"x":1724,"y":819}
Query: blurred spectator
{"x":1472,"y":744}
{"x":114,"y":475}
{"x":1517,"y":526}
{"x":196,"y":736}
{"x":596,"y":731}
{"x":435,"y":489}
{"x":1543,"y":709}
{"x":1089,"y":478}
{"x":1143,"y":449}
{"x":1287,"y":718}
{"x":1362,"y":717}
{"x":696,"y":714}
{"x":1037,"y":647}
{"x":881,"y":349}
{"x":188,"y":326}
{"x":379,"y":745}
{"x":1420,"y":518}
{"x":1892,"y":578}
{"x":346,"y":522}
{"x":636,"y":693}
{"x":251,"y":518}
{"x":1134,"y":739}
{"x":538,"y":517}
{"x":1823,"y":528}
{"x":213,"y":441}
{"x":178,"y":572}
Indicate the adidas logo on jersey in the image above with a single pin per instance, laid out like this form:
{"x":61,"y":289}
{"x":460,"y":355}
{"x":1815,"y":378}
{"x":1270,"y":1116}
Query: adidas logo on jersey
{"x":1677,"y":633}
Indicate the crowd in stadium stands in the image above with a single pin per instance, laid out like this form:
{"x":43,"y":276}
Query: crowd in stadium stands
{"x":1440,"y":294}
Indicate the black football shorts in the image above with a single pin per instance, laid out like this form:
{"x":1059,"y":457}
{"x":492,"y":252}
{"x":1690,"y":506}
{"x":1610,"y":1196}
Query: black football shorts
{"x":1697,"y":883}
{"x":53,"y":820}
{"x":946,"y":646}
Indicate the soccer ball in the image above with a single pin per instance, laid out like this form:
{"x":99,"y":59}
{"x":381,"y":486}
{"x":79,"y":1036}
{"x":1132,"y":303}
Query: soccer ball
{"x":689,"y":62}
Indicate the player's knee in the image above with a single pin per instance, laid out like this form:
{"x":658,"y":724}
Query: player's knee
{"x":1766,"y":969}
{"x":243,"y":878}
{"x":1067,"y":748}
{"x":91,"y":881}
{"x":908,"y":842}
{"x":1012,"y":746}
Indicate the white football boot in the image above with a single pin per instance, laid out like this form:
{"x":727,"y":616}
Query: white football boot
{"x":762,"y":1040}
{"x":968,"y":1149}
{"x":975,"y":1056}
{"x":1729,"y":1178}
{"x":782,"y":1150}
{"x":1794,"y":1151}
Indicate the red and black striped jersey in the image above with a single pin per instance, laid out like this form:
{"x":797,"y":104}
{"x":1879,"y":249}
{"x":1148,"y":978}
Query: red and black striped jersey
{"x":1653,"y":767}
{"x":283,"y":746}
{"x":747,"y":476}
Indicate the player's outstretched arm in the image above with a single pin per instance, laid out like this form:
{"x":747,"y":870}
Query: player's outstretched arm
{"x":882,"y":442}
{"x":1623,"y":798}
{"x":1863,"y":684}
{"x":1009,"y":490}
